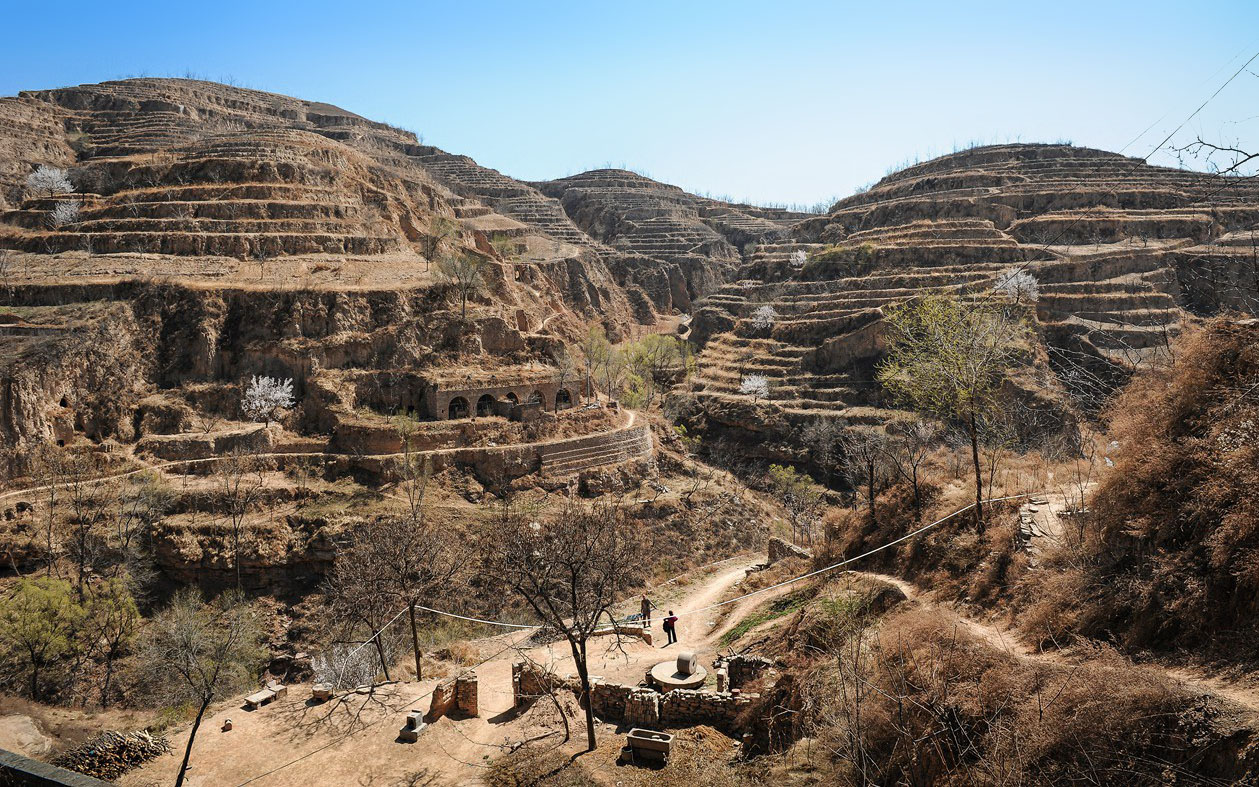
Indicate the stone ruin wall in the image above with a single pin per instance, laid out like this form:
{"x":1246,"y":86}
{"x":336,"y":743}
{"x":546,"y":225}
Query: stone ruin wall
{"x":636,"y":706}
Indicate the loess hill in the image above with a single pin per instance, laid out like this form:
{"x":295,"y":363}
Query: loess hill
{"x":1124,"y":254}
{"x":222,"y":233}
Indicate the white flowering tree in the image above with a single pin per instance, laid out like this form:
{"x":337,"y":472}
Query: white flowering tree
{"x":764,"y":317}
{"x":47,"y":181}
{"x":1018,"y":284}
{"x":64,"y":213}
{"x":755,"y":386}
{"x":798,"y":258}
{"x":266,"y":398}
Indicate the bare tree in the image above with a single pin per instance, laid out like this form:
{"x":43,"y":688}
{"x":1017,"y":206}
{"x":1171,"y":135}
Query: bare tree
{"x":564,"y":367}
{"x":466,"y":273}
{"x":594,"y":350}
{"x":241,"y":482}
{"x":196,"y":653}
{"x":440,"y":230}
{"x":824,"y":438}
{"x":90,"y":509}
{"x":908,"y":453}
{"x":418,"y":562}
{"x":865,"y":461}
{"x":570,"y":571}
{"x":948,"y":357}
{"x":360,"y":591}
{"x":6,"y":270}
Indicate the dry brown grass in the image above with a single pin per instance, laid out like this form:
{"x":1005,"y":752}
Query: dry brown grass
{"x":912,"y":700}
{"x":1167,"y":560}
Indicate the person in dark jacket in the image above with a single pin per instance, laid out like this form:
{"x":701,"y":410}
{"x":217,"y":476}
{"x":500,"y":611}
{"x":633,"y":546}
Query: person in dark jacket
{"x":645,"y":609}
{"x":671,"y":628}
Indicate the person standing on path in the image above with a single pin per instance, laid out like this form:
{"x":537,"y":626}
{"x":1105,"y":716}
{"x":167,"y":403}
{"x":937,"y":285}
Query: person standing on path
{"x":645,"y":608}
{"x":671,"y":628}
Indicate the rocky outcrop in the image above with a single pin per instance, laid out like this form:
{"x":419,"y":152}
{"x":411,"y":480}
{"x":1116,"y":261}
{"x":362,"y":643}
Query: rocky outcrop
{"x":84,"y":381}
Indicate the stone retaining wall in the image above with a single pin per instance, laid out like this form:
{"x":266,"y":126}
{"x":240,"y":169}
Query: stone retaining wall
{"x":742,"y":669}
{"x":779,"y":549}
{"x":636,"y":706}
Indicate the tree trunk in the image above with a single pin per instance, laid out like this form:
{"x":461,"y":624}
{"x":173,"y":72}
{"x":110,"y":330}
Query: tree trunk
{"x":109,"y":674}
{"x":236,"y":556}
{"x":380,"y":652}
{"x":579,"y":658}
{"x":415,"y":644}
{"x":870,"y":489}
{"x":979,"y":479}
{"x":917,"y":497}
{"x":183,"y":768}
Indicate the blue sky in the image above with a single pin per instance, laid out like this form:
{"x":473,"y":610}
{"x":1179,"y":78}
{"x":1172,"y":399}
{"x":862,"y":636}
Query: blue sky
{"x":787,"y":102}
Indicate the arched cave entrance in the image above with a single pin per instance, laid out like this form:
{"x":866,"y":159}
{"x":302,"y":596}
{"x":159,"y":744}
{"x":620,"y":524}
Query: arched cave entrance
{"x":537,"y":398}
{"x":458,"y":408}
{"x":485,"y":406}
{"x":511,"y":397}
{"x":563,"y":399}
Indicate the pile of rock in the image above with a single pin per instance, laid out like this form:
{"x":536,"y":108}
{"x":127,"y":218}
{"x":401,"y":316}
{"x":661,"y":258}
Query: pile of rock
{"x":111,"y":754}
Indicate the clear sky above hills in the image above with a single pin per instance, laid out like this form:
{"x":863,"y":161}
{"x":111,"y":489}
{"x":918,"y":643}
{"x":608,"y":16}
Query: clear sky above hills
{"x":786,"y":102}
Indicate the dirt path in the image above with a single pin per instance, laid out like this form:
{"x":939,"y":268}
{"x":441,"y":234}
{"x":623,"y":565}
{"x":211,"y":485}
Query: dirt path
{"x":1244,"y":695}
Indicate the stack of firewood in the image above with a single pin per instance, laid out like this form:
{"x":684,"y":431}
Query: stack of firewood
{"x":111,"y":754}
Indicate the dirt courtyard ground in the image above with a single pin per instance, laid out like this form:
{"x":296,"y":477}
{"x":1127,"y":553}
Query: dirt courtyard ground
{"x":297,"y":742}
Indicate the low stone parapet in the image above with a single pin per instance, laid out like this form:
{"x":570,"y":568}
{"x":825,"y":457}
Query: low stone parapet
{"x":779,"y":549}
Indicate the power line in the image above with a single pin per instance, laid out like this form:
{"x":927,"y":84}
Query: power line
{"x":841,"y":563}
{"x":689,"y":612}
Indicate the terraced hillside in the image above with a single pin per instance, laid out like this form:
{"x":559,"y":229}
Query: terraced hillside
{"x":1123,"y":255}
{"x":697,"y":242}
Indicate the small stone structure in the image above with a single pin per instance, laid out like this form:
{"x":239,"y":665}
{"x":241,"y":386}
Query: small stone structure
{"x":743,"y":669}
{"x":442,"y":702}
{"x":466,"y":694}
{"x":779,"y":549}
{"x":529,"y":682}
{"x":509,"y":395}
{"x":648,"y":745}
{"x":457,"y":694}
{"x":410,"y":732}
